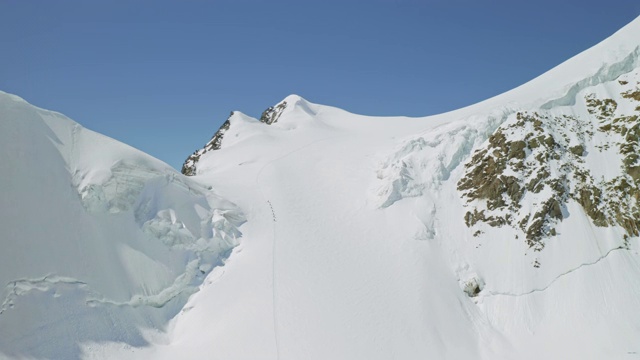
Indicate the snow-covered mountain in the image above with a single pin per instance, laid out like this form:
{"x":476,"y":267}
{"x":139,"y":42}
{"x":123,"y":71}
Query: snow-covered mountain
{"x":504,"y":230}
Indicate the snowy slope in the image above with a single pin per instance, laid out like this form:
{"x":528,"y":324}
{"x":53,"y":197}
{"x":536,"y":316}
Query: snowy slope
{"x":504,"y":230}
{"x":100,"y":242}
{"x":369,"y":253}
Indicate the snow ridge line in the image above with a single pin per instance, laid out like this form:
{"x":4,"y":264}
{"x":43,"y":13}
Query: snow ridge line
{"x":73,"y":156}
{"x":492,"y":293}
{"x":273,"y":249}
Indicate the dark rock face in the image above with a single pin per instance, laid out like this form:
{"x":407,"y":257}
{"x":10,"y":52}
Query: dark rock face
{"x":534,"y":164}
{"x":272,"y":114}
{"x":189,"y":166}
{"x":518,"y":159}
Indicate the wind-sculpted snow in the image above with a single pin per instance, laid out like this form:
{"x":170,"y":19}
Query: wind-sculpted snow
{"x":120,"y":191}
{"x":206,"y":223}
{"x":422,"y":163}
{"x":607,"y":73}
{"x":100,"y":241}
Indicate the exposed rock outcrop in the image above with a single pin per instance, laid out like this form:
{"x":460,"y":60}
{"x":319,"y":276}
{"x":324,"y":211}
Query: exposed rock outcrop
{"x":189,"y":166}
{"x":272,"y":114}
{"x":539,"y":159}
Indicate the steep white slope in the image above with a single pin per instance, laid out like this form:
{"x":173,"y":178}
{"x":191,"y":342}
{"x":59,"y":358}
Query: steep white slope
{"x":357,"y":246}
{"x":100,"y":242}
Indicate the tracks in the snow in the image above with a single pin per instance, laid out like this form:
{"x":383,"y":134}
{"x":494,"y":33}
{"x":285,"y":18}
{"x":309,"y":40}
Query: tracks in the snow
{"x":274,"y":243}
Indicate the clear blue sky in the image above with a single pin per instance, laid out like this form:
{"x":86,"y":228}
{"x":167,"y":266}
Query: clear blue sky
{"x":163,"y":75}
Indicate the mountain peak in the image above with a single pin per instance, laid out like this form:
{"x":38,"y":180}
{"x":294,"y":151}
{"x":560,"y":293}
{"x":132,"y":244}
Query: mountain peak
{"x":292,"y":104}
